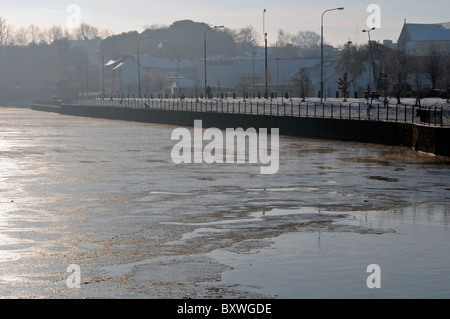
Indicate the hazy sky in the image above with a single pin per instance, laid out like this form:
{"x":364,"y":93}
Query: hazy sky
{"x":289,"y":15}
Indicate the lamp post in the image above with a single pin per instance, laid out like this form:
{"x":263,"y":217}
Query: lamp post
{"x":321,"y":53}
{"x":103,"y":67}
{"x":348,"y":55}
{"x":371,"y":57}
{"x":253,"y":73}
{"x":178,"y":78}
{"x":139,"y":64}
{"x":206,"y":81}
{"x":266,"y":87}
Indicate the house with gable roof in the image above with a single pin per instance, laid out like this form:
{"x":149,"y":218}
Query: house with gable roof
{"x":418,"y":39}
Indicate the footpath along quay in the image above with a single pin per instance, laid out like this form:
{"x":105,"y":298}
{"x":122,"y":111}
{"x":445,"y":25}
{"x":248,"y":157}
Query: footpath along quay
{"x":425,"y":128}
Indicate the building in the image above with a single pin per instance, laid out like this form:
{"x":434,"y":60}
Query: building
{"x":418,"y":39}
{"x":226,"y":76}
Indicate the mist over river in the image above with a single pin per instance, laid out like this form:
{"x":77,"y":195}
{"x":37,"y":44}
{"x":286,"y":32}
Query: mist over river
{"x":106,"y":196}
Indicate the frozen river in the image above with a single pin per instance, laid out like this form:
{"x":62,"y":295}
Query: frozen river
{"x":105,"y":196}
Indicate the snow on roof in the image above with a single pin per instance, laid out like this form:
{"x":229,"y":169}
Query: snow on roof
{"x":427,"y":32}
{"x":417,"y":31}
{"x":436,"y":35}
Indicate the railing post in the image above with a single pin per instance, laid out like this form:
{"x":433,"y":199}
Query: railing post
{"x":405,"y":113}
{"x":435,"y":115}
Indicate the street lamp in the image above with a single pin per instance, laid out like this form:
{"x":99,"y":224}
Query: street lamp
{"x":139,"y":64}
{"x":206,"y":82}
{"x":103,"y":65}
{"x":253,"y":73}
{"x":371,"y":56}
{"x":321,"y":54}
{"x":266,"y":90}
{"x":178,"y":78}
{"x":348,"y":54}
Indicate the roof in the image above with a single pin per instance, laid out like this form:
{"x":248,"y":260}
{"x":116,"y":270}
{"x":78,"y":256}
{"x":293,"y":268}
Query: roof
{"x":435,"y":35}
{"x":424,"y":32}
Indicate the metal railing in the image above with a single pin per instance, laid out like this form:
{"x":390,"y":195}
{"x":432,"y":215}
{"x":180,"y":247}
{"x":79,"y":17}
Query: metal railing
{"x":434,"y":116}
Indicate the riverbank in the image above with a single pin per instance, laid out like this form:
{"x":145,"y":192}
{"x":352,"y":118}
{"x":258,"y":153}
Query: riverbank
{"x":400,"y":129}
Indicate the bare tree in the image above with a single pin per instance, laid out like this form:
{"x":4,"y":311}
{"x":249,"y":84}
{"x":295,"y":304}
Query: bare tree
{"x":302,"y":82}
{"x":5,"y":32}
{"x":432,"y":65}
{"x":351,"y":60}
{"x":307,"y":40}
{"x":283,"y":39}
{"x":21,"y":37}
{"x":398,"y":68}
{"x":86,"y":32}
{"x":105,"y":33}
{"x":417,"y":76}
{"x":55,"y":33}
{"x":344,"y":85}
{"x":246,"y":38}
{"x":34,"y":32}
{"x":446,"y":77}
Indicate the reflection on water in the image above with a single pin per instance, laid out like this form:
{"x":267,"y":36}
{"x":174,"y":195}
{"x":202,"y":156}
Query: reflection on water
{"x":105,"y":195}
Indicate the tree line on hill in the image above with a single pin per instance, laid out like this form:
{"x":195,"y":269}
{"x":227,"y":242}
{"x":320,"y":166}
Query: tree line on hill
{"x":37,"y":62}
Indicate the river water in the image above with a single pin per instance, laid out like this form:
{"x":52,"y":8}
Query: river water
{"x":105,"y":196}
